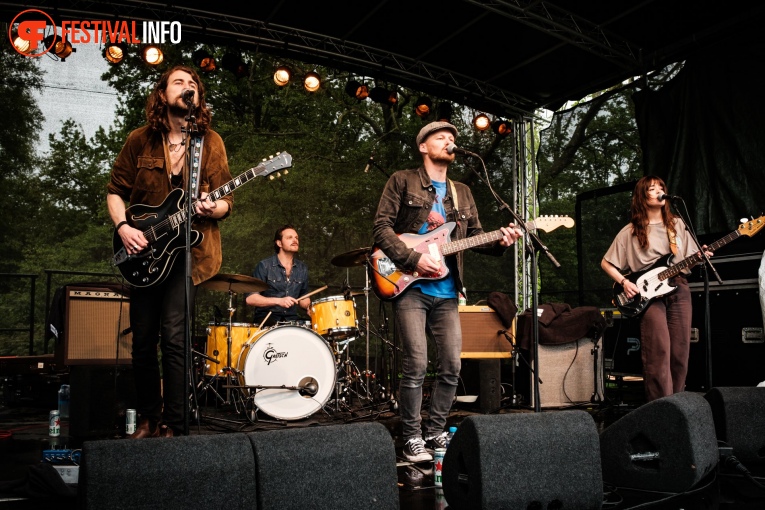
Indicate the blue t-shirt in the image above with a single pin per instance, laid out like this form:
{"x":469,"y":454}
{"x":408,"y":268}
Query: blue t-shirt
{"x":445,"y":287}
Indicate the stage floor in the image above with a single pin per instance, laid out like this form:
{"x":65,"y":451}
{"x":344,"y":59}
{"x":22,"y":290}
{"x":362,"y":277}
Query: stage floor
{"x":24,"y":437}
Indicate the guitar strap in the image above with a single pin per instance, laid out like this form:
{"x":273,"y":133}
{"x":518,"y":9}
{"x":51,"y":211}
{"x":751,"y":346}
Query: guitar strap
{"x":672,"y":236}
{"x":456,"y":202}
{"x":196,"y":161}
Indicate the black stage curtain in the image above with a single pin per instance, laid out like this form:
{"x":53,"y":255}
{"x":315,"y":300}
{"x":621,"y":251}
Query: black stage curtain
{"x":703,"y":134}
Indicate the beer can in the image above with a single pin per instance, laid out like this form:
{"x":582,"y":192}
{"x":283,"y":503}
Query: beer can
{"x":130,"y":421}
{"x":54,"y":423}
{"x":438,"y":462}
{"x":441,"y":503}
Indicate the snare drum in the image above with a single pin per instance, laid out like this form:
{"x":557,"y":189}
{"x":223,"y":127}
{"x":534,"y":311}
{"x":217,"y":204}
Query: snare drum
{"x":291,"y":357}
{"x":217,"y":344}
{"x":334,"y":317}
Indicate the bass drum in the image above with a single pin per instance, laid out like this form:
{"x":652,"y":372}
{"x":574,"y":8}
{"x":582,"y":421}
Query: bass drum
{"x":291,"y":356}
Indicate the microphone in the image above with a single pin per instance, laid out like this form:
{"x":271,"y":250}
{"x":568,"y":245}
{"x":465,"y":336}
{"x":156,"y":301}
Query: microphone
{"x":664,"y":196}
{"x":369,"y":162}
{"x":451,"y":149}
{"x":188,"y":95}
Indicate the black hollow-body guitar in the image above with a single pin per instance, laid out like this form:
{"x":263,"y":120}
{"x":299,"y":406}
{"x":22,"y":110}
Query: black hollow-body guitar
{"x":654,"y":281}
{"x":163,"y":227}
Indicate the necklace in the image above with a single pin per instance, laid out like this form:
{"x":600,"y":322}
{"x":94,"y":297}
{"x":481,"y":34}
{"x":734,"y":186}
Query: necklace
{"x":175,"y":147}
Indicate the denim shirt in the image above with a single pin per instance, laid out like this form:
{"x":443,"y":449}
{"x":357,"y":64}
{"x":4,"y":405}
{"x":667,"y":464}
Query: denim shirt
{"x":272,"y":272}
{"x":406,"y":201}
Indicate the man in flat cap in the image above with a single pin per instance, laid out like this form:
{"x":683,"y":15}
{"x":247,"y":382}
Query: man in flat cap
{"x":417,"y":201}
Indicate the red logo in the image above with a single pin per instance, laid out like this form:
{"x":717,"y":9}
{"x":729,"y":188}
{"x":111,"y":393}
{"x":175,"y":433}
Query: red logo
{"x":30,"y":27}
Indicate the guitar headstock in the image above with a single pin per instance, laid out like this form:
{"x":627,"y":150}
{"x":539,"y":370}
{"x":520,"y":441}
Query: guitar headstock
{"x":550,"y":223}
{"x":273,"y":164}
{"x":751,"y":227}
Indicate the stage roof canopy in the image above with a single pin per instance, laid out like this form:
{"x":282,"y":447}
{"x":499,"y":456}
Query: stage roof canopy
{"x":504,"y":57}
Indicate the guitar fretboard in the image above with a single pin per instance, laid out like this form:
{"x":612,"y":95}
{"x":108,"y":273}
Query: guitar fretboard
{"x":694,"y":259}
{"x":470,"y":242}
{"x":283,"y":160}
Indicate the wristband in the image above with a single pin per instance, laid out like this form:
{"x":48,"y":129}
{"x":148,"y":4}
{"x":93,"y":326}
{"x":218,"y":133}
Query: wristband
{"x":622,"y":282}
{"x":117,"y":228}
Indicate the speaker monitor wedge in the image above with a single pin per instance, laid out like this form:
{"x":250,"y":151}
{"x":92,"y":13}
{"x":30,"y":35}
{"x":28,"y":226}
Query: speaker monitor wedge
{"x":524,"y":460}
{"x":739,"y":417}
{"x":667,"y":445}
{"x":304,"y":467}
{"x":182,"y":472}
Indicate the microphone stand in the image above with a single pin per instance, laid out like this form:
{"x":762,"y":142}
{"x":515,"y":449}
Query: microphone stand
{"x":532,"y":245}
{"x":189,"y":132}
{"x":707,"y":310}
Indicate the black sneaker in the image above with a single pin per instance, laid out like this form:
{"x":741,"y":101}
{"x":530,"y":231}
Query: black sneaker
{"x":438,"y":441}
{"x":414,"y":451}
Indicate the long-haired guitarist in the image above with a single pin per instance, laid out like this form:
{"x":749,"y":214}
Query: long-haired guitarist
{"x":653,"y":233}
{"x":416,"y":202}
{"x":150,"y":166}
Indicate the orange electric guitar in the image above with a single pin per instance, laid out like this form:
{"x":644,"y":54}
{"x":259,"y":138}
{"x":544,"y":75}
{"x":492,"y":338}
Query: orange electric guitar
{"x":389,"y":281}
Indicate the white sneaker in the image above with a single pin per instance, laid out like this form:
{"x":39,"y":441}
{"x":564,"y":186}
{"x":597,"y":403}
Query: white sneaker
{"x":414,"y":451}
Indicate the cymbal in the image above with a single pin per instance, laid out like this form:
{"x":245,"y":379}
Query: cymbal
{"x":235,"y":283}
{"x":352,"y":258}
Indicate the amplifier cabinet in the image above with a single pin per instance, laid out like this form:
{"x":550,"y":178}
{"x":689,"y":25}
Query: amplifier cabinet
{"x":483,"y":335}
{"x":736,"y":336}
{"x":570,"y":373}
{"x":97,"y":327}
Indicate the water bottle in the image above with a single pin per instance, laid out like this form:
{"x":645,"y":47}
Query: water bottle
{"x":63,"y":401}
{"x":450,"y":435}
{"x":463,"y":297}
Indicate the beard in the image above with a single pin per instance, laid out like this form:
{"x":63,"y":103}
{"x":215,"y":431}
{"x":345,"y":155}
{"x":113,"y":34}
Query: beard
{"x":177,"y":111}
{"x":442,"y":158}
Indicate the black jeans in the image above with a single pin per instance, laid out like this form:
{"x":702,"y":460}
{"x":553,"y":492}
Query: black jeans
{"x":158,"y":316}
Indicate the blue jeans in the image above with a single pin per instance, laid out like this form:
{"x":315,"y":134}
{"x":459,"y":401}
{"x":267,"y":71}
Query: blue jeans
{"x":417,"y":313}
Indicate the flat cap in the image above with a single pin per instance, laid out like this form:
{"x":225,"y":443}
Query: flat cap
{"x":431,"y":128}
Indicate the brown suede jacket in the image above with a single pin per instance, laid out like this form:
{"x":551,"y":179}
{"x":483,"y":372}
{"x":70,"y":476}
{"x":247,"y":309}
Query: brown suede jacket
{"x":406,"y":201}
{"x":141,"y":176}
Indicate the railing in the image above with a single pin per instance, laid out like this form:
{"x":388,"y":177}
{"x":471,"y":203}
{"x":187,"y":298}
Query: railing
{"x":31,"y":327}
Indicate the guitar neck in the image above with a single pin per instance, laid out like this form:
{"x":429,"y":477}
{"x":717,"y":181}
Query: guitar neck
{"x":228,"y":188}
{"x":470,"y":242}
{"x":694,"y":259}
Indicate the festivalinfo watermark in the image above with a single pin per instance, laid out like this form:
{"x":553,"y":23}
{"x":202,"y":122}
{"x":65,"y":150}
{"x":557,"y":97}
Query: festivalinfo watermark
{"x":33,"y":33}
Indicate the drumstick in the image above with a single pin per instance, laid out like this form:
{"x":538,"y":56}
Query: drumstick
{"x":264,"y":320}
{"x":312,"y":293}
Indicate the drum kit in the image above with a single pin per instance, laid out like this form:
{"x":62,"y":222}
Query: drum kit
{"x":291,"y":370}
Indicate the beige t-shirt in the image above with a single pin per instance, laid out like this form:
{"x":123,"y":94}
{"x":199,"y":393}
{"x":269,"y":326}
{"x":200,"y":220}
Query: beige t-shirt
{"x":625,"y":252}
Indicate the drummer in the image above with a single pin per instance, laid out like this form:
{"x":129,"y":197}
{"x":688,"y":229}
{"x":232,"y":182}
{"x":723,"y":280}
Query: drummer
{"x":287,"y":279}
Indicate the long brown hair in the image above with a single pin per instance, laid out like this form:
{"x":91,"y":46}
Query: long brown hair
{"x":639,"y":210}
{"x":156,"y":105}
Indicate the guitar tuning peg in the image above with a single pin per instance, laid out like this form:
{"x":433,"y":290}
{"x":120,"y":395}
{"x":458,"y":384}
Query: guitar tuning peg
{"x":272,"y":177}
{"x":286,"y":172}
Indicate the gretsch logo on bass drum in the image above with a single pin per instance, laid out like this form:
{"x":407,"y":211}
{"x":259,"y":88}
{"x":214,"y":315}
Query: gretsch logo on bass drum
{"x":271,"y":354}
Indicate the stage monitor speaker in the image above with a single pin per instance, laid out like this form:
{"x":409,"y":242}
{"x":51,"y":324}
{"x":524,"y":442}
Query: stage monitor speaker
{"x":298,"y":468}
{"x":571,"y":373}
{"x":739,"y":417}
{"x":524,"y":460}
{"x":182,"y":472}
{"x":666,"y":445}
{"x":96,"y":319}
{"x":483,"y":335}
{"x":99,"y":397}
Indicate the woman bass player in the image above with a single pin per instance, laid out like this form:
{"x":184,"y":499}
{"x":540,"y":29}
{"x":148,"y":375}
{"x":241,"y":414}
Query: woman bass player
{"x":665,"y":324}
